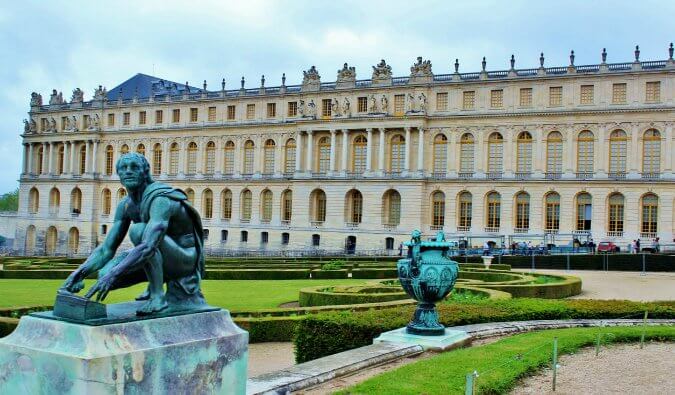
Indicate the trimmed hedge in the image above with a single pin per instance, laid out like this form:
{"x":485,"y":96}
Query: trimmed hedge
{"x":255,"y":274}
{"x":326,"y":296}
{"x":374,"y":273}
{"x":616,"y":262}
{"x":570,"y":286}
{"x":328,"y":274}
{"x":329,"y":333}
{"x":269,"y":329}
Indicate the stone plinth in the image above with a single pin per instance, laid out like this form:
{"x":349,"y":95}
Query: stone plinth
{"x":192,"y":353}
{"x":487,"y":261}
{"x":449,"y":340}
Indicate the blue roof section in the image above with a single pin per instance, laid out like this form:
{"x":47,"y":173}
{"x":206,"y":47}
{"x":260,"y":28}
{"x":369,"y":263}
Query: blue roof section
{"x":143,"y":85}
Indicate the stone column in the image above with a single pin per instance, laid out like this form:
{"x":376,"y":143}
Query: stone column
{"x":30,"y":158}
{"x":599,"y":156}
{"x":199,"y":170}
{"x":345,"y":150}
{"x":87,"y":156}
{"x":218,"y":169}
{"x":65,"y":156}
{"x":310,"y":151}
{"x":44,"y":158}
{"x":451,"y":160}
{"x":369,"y":150}
{"x":298,"y":152}
{"x":51,"y":158}
{"x":181,"y":158}
{"x":380,"y":157}
{"x":166,"y":154}
{"x":73,"y":147}
{"x":668,"y":160}
{"x":406,"y":165}
{"x":332,"y":151}
{"x":634,"y":151}
{"x":93,"y":157}
{"x":420,"y":151}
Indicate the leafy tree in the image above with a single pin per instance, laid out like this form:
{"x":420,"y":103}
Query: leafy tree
{"x":10,"y":201}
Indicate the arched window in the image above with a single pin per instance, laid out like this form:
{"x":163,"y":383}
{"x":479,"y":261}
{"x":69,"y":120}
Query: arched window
{"x":651,"y":153}
{"x":30,"y":240}
{"x":584,"y":211}
{"x":228,"y":158}
{"x":192,"y":158}
{"x":246,"y":204}
{"x":524,"y":152}
{"x":392,"y":208}
{"x":54,"y":201}
{"x":618,"y":147}
{"x":286,"y":206}
{"x":121,"y":194}
{"x":210,"y":163}
{"x":440,"y":153}
{"x":190,"y":196}
{"x":124,"y":149}
{"x":522,"y":212}
{"x":289,"y":156}
{"x":354,"y":207}
{"x":615,"y":214}
{"x":83,"y":159}
{"x":317,"y":206}
{"x":157,"y":159}
{"x":109,"y":165}
{"x":76,"y":201}
{"x":466,"y":154}
{"x":140,"y":149}
{"x":495,"y":153}
{"x":226,"y":201}
{"x":554,"y":153}
{"x":266,"y":206}
{"x":249,"y":156}
{"x":359,"y":154}
{"x":73,"y":240}
{"x":493,"y":220}
{"x":324,"y":154}
{"x":51,"y":240}
{"x":173,"y":159}
{"x":438,"y":209}
{"x":33,"y":201}
{"x":650,"y":208}
{"x":106,"y":201}
{"x":552,"y":213}
{"x":40,"y":158}
{"x":397,"y":154}
{"x":60,"y":159}
{"x":269,"y":155}
{"x":465,"y":212}
{"x":585,"y":153}
{"x":207,"y":204}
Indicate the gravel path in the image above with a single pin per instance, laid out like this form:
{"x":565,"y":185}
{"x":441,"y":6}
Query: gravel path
{"x":619,"y":369}
{"x":269,"y":357}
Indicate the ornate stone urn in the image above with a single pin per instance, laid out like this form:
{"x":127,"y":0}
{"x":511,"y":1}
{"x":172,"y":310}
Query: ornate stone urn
{"x":427,"y":275}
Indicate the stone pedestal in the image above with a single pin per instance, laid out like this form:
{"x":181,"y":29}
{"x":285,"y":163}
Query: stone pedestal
{"x":487,"y":261}
{"x":451,"y":339}
{"x":194,"y":353}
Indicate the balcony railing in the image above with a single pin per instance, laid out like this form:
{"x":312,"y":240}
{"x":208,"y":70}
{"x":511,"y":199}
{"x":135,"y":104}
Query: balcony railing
{"x":438,"y":175}
{"x":465,"y":175}
{"x":318,"y":174}
{"x":521,"y":230}
{"x":651,"y":176}
{"x":581,"y":232}
{"x":392,"y":174}
{"x":553,"y":175}
{"x":615,"y":233}
{"x":389,"y":226}
{"x":245,"y":220}
{"x":435,"y":227}
{"x":285,"y":222}
{"x":551,"y":231}
{"x":264,"y":220}
{"x":647,"y":235}
{"x":494,"y":175}
{"x":351,"y":225}
{"x":491,"y":229}
{"x":464,"y":229}
{"x":354,"y":174}
{"x":522,"y":175}
{"x":617,"y":175}
{"x":316,"y":224}
{"x":584,"y":175}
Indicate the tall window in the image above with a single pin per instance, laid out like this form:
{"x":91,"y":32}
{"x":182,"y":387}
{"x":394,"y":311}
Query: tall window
{"x":207,"y":204}
{"x":246,"y":204}
{"x":266,"y":205}
{"x":650,"y":207}
{"x":584,"y":211}
{"x":193,"y":114}
{"x":468,"y":100}
{"x":619,"y":93}
{"x":392,"y":208}
{"x":142,"y":117}
{"x":173,"y":159}
{"x":438,"y":209}
{"x":59,"y":159}
{"x":212,"y":114}
{"x":228,"y":158}
{"x":190,"y":196}
{"x":497,"y":98}
{"x":30,"y":239}
{"x":651,"y":152}
{"x":192,"y":158}
{"x":615,"y":214}
{"x":359,"y":154}
{"x":159,"y":116}
{"x":466,"y":153}
{"x":526,"y":97}
{"x":524,"y":147}
{"x":318,"y":206}
{"x":292,"y":108}
{"x":587,"y":94}
{"x":362,"y":104}
{"x":441,"y":101}
{"x":52,"y":240}
{"x":653,"y":92}
{"x":522,"y":211}
{"x":465,"y":211}
{"x":287,"y":205}
{"x":271,"y":110}
{"x":397,"y":157}
{"x":106,"y":199}
{"x":54,"y":201}
{"x":495,"y":153}
{"x":249,"y":156}
{"x":354,"y":206}
{"x":157,"y":159}
{"x":555,"y":96}
{"x":140,"y":149}
{"x":399,"y":105}
{"x":289,"y":156}
{"x":76,"y":201}
{"x":210,"y":165}
{"x":109,"y":160}
{"x":552,"y":220}
{"x":250,"y":111}
{"x":324,"y":154}
{"x":83,"y":159}
{"x":230,"y":112}
{"x":440,"y":153}
{"x":73,"y":240}
{"x":226,"y":201}
{"x":33,"y":201}
{"x":111,"y":120}
{"x":126,"y":118}
{"x":585,"y":152}
{"x":121,"y":194}
{"x":494,"y":202}
{"x":554,"y":153}
{"x":618,"y":142}
{"x":270,"y":147}
{"x":124,"y":149}
{"x":175,"y":115}
{"x":326,"y":108}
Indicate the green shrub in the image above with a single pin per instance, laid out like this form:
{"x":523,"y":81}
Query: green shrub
{"x":374,"y":273}
{"x":332,"y":273}
{"x":269,"y":329}
{"x":333,"y":265}
{"x":254,"y":274}
{"x":7,"y":325}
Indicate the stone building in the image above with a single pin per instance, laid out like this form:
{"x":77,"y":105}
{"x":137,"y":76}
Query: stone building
{"x":545,"y":154}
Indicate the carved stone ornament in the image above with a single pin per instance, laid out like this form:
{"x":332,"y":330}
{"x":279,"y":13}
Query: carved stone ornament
{"x":382,"y":73}
{"x":372,"y":105}
{"x":72,"y":124}
{"x":52,"y":125}
{"x":346,"y":108}
{"x":335,"y":108}
{"x":55,"y":97}
{"x":35,"y":99}
{"x":26,"y":126}
{"x":100,"y":94}
{"x":384,"y":104}
{"x":420,"y":71}
{"x":346,"y":77}
{"x":311,"y":109}
{"x":311,"y":80}
{"x":33,"y":126}
{"x":78,"y":96}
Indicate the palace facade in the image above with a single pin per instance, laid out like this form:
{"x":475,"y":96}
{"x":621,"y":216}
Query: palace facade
{"x":546,"y":154}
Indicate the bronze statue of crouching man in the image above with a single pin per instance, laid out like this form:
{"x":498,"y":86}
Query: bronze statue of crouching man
{"x":168,"y":238}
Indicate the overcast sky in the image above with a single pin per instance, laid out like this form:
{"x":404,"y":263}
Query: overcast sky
{"x":67,"y":44}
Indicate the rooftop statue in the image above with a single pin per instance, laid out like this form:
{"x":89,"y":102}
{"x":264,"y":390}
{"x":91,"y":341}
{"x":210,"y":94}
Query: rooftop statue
{"x":421,"y":68}
{"x":310,"y":75}
{"x":35,"y":99}
{"x":168,"y":238}
{"x":382,"y":70}
{"x":100,"y":93}
{"x":78,"y":96}
{"x":56,"y":97}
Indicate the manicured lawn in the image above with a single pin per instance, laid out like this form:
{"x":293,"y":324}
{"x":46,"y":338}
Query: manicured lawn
{"x":230,"y":294}
{"x":499,"y":365}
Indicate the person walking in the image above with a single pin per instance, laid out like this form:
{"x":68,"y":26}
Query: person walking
{"x":637,"y":246}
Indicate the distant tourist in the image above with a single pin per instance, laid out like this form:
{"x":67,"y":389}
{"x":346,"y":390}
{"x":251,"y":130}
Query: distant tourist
{"x":657,"y":245}
{"x":400,"y":249}
{"x":637,"y":246}
{"x":486,"y":248}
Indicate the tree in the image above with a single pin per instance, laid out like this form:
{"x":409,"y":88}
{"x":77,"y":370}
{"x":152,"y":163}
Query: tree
{"x":10,"y":201}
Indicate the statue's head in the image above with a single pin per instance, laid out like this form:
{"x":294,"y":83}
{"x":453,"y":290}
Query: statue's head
{"x":133,"y":170}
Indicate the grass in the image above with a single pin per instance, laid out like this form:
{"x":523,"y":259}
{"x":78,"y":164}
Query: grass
{"x":230,"y":294}
{"x":499,"y":365}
